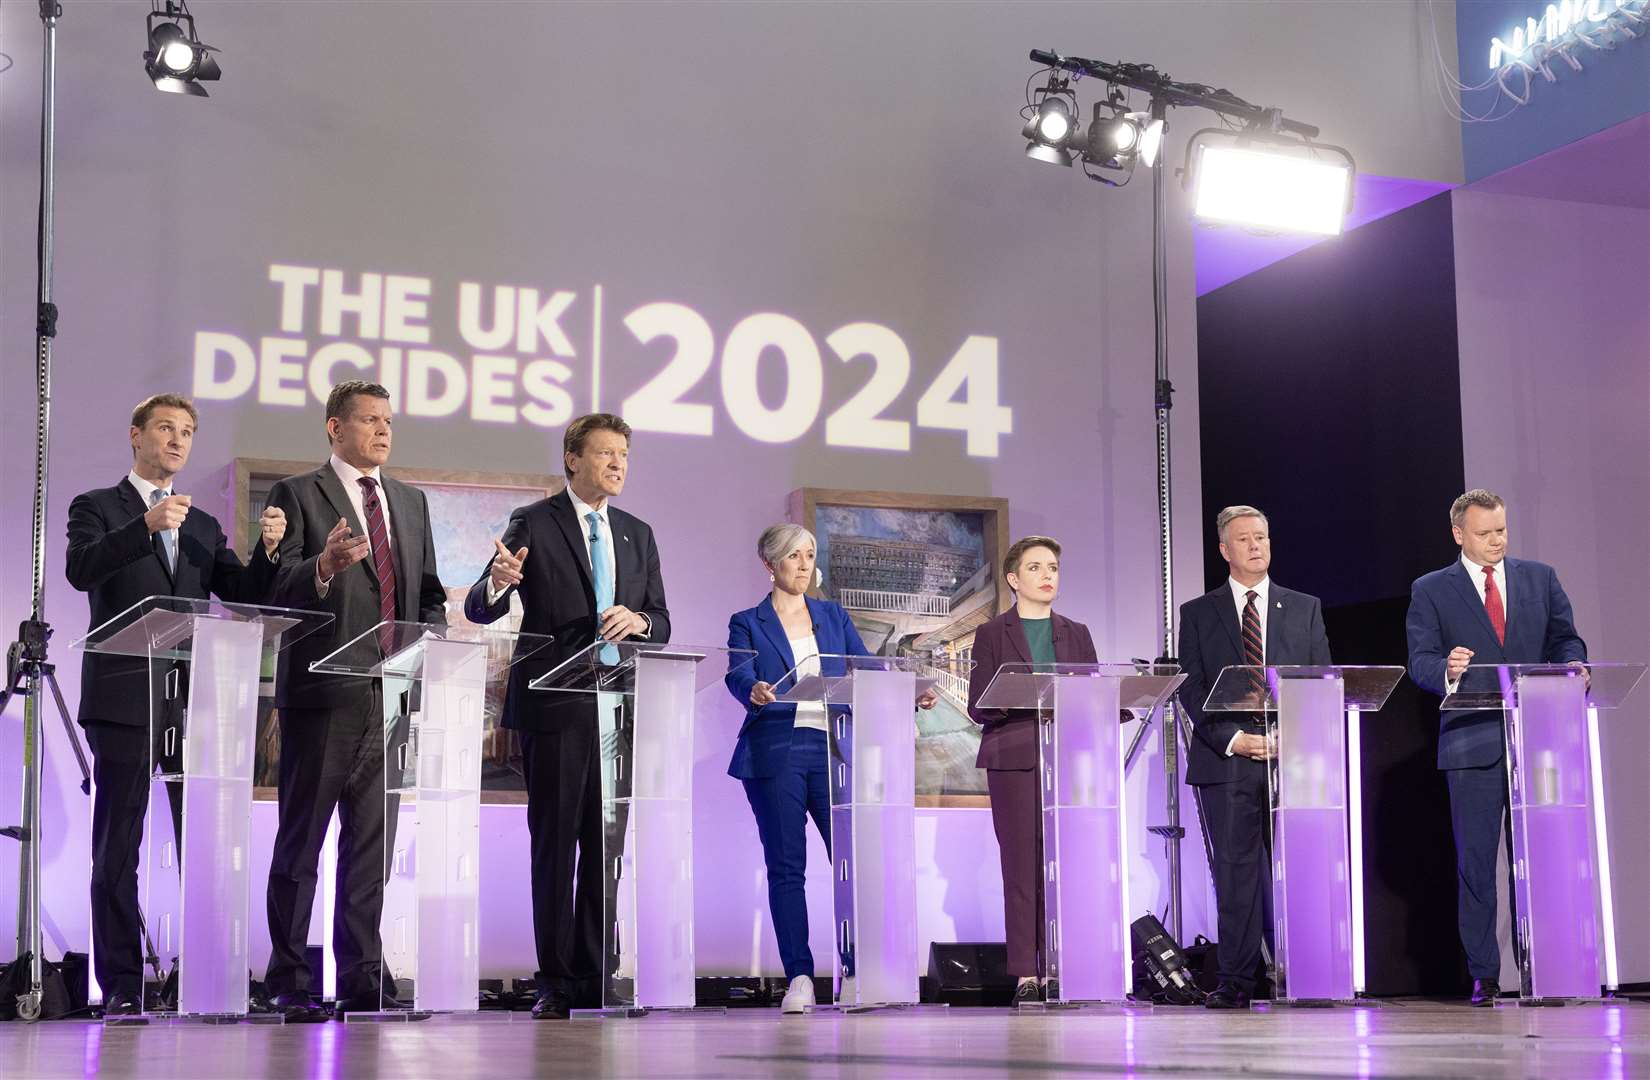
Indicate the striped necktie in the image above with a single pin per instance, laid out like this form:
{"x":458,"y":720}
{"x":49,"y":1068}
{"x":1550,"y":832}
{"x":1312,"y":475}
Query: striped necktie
{"x":1254,"y":644}
{"x":382,"y":564}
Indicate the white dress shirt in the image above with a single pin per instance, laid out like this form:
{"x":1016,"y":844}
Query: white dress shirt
{"x":805,"y":651}
{"x":350,"y":477}
{"x":145,"y":491}
{"x":1475,"y":573}
{"x":1240,"y":596}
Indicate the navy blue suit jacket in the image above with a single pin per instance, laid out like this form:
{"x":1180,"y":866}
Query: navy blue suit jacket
{"x":765,"y":737}
{"x":1211,"y":640}
{"x":1445,"y":612}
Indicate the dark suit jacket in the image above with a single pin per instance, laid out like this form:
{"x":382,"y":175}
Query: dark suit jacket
{"x":1010,"y":737}
{"x":1211,"y":640}
{"x":113,"y":557}
{"x":559,"y":598}
{"x":765,"y":736}
{"x":313,"y":503}
{"x":1444,"y":611}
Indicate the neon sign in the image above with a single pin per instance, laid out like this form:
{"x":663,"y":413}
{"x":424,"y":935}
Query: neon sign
{"x":1561,"y":25}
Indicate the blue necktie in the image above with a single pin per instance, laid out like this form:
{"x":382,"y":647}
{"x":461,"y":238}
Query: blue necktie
{"x":168,"y":537}
{"x":601,"y":577}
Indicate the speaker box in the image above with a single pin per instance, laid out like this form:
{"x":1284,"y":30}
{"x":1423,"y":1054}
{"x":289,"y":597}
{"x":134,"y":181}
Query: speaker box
{"x":968,"y":973}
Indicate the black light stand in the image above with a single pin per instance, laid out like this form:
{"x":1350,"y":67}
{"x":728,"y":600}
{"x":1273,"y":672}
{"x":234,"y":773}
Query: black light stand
{"x":28,"y":674}
{"x":1166,"y":93}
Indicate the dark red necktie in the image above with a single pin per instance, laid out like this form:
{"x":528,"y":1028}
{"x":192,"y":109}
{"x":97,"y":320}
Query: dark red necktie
{"x":382,"y":564}
{"x":1254,"y":645}
{"x":1492,"y":606}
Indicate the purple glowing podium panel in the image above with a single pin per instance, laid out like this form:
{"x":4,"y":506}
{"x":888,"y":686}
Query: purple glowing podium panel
{"x":873,"y":816}
{"x":1561,"y":851}
{"x":646,"y":699}
{"x":1317,"y":815}
{"x":434,"y":682}
{"x":1084,"y":821}
{"x":204,"y":659}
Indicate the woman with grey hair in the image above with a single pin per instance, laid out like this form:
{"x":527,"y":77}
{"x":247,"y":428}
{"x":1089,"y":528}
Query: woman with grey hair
{"x":782,"y":755}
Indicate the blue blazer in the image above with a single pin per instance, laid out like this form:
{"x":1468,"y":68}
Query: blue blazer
{"x":765,"y":737}
{"x":1444,"y":612}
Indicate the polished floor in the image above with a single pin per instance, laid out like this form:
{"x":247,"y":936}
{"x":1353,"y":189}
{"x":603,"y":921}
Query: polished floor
{"x":1408,"y":1039}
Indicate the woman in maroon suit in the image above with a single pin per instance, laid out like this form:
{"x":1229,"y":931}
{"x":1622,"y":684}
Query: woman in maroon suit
{"x":1029,"y":632}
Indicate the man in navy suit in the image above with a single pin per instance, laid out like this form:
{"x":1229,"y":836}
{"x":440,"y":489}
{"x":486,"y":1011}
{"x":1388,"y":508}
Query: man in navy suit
{"x":1249,"y":621}
{"x":585,"y":570}
{"x":1484,"y":609}
{"x":126,"y":543}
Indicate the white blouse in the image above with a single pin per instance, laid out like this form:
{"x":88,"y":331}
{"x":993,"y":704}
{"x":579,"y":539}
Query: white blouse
{"x":805,"y":651}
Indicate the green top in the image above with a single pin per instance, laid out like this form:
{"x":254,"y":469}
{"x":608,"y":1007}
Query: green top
{"x":1040,"y":636}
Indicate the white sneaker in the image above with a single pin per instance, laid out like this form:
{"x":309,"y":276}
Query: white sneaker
{"x":799,"y":996}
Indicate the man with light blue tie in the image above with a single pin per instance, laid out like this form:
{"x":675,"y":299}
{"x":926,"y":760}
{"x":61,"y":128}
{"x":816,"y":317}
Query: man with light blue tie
{"x":583,"y":569}
{"x":1482,"y":610}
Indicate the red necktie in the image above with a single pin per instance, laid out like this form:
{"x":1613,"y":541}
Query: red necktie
{"x":382,"y":564}
{"x":1254,"y":646}
{"x":1492,"y":606}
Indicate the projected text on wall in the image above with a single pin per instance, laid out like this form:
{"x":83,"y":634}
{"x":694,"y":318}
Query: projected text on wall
{"x":537,"y":357}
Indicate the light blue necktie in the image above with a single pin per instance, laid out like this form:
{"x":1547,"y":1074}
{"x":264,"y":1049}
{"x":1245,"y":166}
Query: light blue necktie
{"x":601,"y":577}
{"x":168,"y":537}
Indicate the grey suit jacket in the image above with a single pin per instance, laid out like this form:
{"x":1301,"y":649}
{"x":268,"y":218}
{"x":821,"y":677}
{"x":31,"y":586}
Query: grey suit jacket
{"x":313,"y":502}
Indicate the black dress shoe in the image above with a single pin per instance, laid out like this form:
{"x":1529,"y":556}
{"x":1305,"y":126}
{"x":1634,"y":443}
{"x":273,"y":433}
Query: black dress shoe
{"x":297,"y":1007}
{"x":1227,"y":996}
{"x":122,"y":1005}
{"x":552,"y":1006}
{"x":1484,"y":993}
{"x":1028,"y":993}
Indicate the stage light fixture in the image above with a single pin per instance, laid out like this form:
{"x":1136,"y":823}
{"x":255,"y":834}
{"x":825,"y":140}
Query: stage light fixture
{"x":1053,"y":123}
{"x":1270,"y":186}
{"x":177,"y":61}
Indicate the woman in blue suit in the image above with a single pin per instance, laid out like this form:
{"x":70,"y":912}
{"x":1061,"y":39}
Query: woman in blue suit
{"x":782,"y":755}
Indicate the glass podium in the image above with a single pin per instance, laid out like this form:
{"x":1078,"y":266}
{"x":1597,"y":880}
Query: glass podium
{"x":873,"y":818}
{"x":1551,"y":716}
{"x":434,"y":680}
{"x":1314,"y":792}
{"x":1089,"y":957}
{"x":645,"y":697}
{"x":199,"y":662}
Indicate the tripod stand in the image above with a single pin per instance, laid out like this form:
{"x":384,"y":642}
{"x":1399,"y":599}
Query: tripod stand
{"x":28,"y":673}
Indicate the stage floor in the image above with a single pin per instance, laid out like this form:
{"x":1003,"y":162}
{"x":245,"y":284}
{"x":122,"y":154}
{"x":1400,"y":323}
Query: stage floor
{"x":1405,"y":1039}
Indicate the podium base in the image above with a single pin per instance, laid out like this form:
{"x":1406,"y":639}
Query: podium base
{"x":636,"y":1012}
{"x":1128,"y":1005}
{"x":871,"y":1007}
{"x":1302,"y":1003}
{"x":391,"y":1016}
{"x":1556,"y":1002}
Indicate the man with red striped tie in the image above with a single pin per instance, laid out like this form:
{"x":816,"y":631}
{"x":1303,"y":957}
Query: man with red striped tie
{"x":1482,"y":610}
{"x":358,"y":545}
{"x":1248,"y":620}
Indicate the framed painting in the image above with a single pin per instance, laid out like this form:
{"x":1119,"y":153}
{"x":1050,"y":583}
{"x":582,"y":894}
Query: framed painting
{"x":467,"y":511}
{"x":918,"y":574}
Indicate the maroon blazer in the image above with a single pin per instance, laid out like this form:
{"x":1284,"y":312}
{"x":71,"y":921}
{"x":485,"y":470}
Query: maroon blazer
{"x":1010,"y":738}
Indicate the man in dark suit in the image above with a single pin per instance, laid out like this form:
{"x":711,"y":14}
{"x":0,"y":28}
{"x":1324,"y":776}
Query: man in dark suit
{"x":359,"y":546}
{"x":126,"y":543}
{"x":1247,"y":621}
{"x":1483,"y":609}
{"x":584,"y":569}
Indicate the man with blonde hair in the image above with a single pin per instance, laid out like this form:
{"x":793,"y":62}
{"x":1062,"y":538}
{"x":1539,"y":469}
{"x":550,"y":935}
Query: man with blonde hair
{"x":1483,"y":609}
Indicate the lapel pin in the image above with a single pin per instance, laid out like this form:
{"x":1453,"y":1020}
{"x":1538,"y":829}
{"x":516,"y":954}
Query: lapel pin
{"x":1280,"y":604}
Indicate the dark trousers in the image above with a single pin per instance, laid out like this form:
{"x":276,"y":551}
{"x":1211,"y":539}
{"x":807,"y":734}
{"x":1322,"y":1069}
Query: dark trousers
{"x":1478,"y":809}
{"x":1016,"y":815}
{"x":1239,"y":819}
{"x":783,"y":803}
{"x":330,"y":759}
{"x":563,"y":770}
{"x":122,"y":768}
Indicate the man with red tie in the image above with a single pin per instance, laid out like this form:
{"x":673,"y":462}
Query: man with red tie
{"x":1482,"y":610}
{"x":358,"y":545}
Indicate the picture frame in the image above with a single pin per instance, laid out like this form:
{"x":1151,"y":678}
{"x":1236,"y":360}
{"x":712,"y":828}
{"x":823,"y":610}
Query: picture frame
{"x":917,"y":574}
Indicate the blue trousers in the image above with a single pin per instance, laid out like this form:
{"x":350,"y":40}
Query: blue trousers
{"x":1478,"y":807}
{"x":782,"y":804}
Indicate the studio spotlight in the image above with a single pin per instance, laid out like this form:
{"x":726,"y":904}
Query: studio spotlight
{"x":1053,"y":122}
{"x":176,"y":60}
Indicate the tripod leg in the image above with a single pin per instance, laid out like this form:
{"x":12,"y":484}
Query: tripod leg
{"x":69,"y":730}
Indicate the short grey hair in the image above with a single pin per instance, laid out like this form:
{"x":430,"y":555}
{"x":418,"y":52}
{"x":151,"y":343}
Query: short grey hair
{"x":1487,"y":500}
{"x":778,"y":541}
{"x":1224,"y":520}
